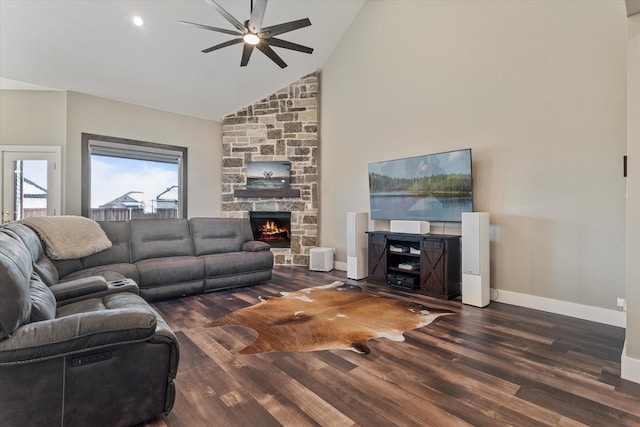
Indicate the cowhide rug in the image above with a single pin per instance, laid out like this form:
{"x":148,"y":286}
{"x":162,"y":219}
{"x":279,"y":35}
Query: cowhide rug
{"x":334,"y":316}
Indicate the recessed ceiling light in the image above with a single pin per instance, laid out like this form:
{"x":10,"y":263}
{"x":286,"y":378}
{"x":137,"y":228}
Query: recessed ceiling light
{"x":137,"y":21}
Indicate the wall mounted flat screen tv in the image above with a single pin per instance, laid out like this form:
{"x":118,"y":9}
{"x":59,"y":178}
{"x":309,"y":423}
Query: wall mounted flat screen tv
{"x":433,"y":187}
{"x":268,"y":175}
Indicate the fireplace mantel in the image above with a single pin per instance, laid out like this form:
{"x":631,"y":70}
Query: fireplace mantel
{"x":275,"y":192}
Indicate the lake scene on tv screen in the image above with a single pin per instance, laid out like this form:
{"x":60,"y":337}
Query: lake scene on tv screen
{"x":434,"y":187}
{"x":268,"y":175}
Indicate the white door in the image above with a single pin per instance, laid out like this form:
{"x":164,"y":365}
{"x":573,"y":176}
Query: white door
{"x":31,"y":181}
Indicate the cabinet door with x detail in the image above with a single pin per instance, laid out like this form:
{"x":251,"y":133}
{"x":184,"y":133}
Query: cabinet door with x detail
{"x":377,"y":257}
{"x":432,"y":262}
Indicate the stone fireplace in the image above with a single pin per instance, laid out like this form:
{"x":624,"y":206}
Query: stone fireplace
{"x":281,"y":127}
{"x":273,"y":228}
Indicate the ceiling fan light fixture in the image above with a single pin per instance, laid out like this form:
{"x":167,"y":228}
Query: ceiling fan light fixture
{"x":137,"y":21}
{"x":251,"y":38}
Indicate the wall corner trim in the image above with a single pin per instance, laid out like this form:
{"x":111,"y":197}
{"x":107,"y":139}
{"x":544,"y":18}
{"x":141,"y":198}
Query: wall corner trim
{"x":629,"y":367}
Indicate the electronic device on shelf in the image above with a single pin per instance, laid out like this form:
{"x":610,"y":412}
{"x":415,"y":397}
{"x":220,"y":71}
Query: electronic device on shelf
{"x":410,"y":265}
{"x":400,"y":281}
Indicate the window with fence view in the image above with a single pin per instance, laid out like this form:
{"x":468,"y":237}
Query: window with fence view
{"x":132,"y":179}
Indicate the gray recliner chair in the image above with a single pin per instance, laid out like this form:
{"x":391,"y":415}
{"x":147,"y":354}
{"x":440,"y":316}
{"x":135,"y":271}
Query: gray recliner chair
{"x":100,"y":358}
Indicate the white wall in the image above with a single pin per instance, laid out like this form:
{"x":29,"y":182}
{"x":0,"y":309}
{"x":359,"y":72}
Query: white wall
{"x":59,"y":118}
{"x":536,"y":89}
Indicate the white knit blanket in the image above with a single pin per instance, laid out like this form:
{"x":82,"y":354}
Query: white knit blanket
{"x":68,"y":237}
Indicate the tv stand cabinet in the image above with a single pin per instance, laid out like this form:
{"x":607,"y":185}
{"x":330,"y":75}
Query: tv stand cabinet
{"x":431,"y":261}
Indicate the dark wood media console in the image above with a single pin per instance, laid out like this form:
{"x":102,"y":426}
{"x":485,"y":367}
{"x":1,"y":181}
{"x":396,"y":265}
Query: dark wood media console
{"x":424,"y":263}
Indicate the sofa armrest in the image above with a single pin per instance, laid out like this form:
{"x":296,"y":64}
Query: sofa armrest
{"x":79,"y":287}
{"x":255,"y":246}
{"x":77,"y":332}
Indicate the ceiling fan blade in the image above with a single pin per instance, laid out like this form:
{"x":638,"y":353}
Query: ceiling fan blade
{"x":257,"y":13}
{"x":274,"y":30}
{"x":206,"y":27}
{"x":288,"y":45}
{"x":221,"y":45}
{"x":246,"y":54}
{"x":226,"y":15}
{"x":264,"y":48}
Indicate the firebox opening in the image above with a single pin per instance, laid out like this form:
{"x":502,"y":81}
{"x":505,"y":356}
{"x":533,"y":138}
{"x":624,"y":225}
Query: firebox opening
{"x":273,"y":228}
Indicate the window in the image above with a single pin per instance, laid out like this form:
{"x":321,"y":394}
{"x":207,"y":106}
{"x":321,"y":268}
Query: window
{"x":124,"y":179}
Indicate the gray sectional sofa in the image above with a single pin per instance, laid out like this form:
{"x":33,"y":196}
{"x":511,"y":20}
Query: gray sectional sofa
{"x":79,"y":345}
{"x":80,"y":353}
{"x":176,"y":257}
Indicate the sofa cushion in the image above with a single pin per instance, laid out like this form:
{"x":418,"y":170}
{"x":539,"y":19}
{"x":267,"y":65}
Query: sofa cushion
{"x":255,"y":246}
{"x":27,"y":236}
{"x":91,"y":323}
{"x":15,"y":273}
{"x":236,"y":262}
{"x":43,"y":303}
{"x":119,"y":252}
{"x":219,"y":235}
{"x":46,"y":270}
{"x":161,"y":271}
{"x":42,"y":264}
{"x":157,"y":238}
{"x":67,"y":266}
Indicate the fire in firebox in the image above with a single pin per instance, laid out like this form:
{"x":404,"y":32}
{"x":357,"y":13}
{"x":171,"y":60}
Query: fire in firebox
{"x":272,"y":227}
{"x":271,"y":231}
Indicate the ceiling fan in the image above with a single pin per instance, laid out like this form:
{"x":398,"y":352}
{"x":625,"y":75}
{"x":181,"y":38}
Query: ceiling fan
{"x":252,"y":34}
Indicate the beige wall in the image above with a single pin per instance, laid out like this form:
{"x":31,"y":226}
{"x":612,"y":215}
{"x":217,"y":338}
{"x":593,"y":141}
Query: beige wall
{"x":633,"y":189}
{"x":101,"y":116}
{"x":59,"y":118}
{"x":536,"y":89}
{"x":33,"y":117}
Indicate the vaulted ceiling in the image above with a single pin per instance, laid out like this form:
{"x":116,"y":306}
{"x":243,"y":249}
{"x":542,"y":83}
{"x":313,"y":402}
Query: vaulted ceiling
{"x":92,"y":47}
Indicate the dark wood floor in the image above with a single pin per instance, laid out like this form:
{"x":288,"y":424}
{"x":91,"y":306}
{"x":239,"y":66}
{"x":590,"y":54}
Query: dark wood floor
{"x":499,"y":365}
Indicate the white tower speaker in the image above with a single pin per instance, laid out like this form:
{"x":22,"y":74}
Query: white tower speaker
{"x":475,"y":259}
{"x":357,"y":246}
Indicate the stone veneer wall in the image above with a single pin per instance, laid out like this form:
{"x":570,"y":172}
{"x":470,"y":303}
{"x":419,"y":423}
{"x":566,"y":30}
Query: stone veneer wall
{"x":283,"y":126}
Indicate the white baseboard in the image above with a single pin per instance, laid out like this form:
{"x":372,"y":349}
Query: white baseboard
{"x":629,"y":367}
{"x":342,"y":266}
{"x":580,"y":311}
